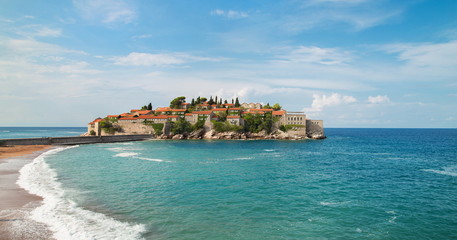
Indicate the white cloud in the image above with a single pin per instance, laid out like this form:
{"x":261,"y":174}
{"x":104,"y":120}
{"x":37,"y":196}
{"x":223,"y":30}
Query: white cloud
{"x":325,"y":56}
{"x":31,"y":48}
{"x":426,"y":54}
{"x":229,"y":14}
{"x":378,"y":99}
{"x":357,"y":14}
{"x":148,"y":59}
{"x":335,"y":99}
{"x":106,"y":11}
{"x":143,"y":36}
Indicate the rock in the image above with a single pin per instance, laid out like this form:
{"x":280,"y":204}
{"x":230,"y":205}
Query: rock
{"x":178,"y":137}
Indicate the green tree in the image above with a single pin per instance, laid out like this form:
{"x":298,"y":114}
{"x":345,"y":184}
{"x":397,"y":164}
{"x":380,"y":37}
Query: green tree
{"x":150,"y":106}
{"x":144,"y":107}
{"x":198,"y":125}
{"x":203,"y":99}
{"x":277,"y":107}
{"x":211,"y":101}
{"x":181,"y":126}
{"x":198,"y":101}
{"x":267,"y":123}
{"x":237,"y":103}
{"x":176,"y":103}
{"x":225,"y":101}
{"x":267,"y":106}
{"x":222,"y":116}
{"x":192,"y":103}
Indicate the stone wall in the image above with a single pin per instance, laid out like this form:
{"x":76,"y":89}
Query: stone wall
{"x":131,"y":128}
{"x":74,"y":140}
{"x":315,"y":128}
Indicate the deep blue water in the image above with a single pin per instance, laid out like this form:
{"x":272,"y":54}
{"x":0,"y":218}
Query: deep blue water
{"x":356,"y":184}
{"x":38,"y":132}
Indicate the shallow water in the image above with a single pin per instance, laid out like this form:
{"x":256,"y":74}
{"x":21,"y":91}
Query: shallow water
{"x":356,"y":184}
{"x":39,"y":132}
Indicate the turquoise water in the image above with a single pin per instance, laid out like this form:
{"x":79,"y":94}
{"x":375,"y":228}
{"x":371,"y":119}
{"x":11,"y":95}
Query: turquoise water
{"x":356,"y":184}
{"x":38,"y":132}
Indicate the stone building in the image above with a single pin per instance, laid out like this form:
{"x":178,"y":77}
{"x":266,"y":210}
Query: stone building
{"x":251,"y":105}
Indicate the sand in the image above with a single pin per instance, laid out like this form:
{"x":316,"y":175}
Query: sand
{"x":16,"y":203}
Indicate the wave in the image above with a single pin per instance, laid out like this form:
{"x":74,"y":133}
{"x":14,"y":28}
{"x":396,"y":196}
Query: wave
{"x":151,"y":159}
{"x":126,"y":154}
{"x":63,"y":216}
{"x":450,"y":171}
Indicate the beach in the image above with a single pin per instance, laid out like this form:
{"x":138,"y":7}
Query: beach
{"x":17,"y":203}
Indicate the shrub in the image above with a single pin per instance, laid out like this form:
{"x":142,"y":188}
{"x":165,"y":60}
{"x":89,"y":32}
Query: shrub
{"x":198,"y":125}
{"x":226,"y":127}
{"x":181,"y":126}
{"x":92,"y":132}
{"x":158,"y":127}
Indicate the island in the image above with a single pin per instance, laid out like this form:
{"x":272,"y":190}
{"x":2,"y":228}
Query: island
{"x":212,"y":118}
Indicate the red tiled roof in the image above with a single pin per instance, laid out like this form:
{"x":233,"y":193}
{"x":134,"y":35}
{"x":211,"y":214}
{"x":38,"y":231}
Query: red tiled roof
{"x":127,"y":118}
{"x":279,"y":112}
{"x":153,"y":117}
{"x":234,"y":109}
{"x":135,"y":110}
{"x":214,"y":105}
{"x":219,"y":109}
{"x":228,"y":104}
{"x":177,"y":110}
{"x":188,"y":114}
{"x":202,"y":112}
{"x":125,"y":114}
{"x":143,"y":112}
{"x":264,"y":110}
{"x":96,"y":120}
{"x":233,"y":117}
{"x":185,"y":103}
{"x":172,"y":116}
{"x":163,"y":109}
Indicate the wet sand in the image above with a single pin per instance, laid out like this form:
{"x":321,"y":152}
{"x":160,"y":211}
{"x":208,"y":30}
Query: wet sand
{"x":16,"y":203}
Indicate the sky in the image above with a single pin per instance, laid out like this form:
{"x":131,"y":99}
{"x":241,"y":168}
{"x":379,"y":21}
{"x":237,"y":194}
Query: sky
{"x":351,"y":63}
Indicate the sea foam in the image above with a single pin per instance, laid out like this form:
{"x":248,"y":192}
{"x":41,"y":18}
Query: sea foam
{"x":450,"y":171}
{"x":126,"y":154}
{"x":64,"y":217}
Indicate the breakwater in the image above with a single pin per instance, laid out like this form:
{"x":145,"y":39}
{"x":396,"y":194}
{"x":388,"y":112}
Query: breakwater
{"x":74,"y":140}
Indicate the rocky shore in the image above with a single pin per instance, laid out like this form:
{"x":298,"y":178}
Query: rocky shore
{"x":202,"y":134}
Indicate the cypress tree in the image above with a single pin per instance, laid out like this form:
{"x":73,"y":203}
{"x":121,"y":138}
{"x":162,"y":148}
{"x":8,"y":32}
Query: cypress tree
{"x":211,"y":101}
{"x":237,"y":103}
{"x":225,"y":102}
{"x":150,"y":106}
{"x":193,"y":102}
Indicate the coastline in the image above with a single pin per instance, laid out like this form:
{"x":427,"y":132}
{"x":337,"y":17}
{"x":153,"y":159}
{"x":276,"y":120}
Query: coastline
{"x":17,"y":203}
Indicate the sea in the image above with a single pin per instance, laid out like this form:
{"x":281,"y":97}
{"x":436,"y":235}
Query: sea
{"x":356,"y":184}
